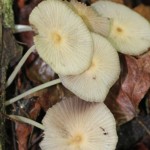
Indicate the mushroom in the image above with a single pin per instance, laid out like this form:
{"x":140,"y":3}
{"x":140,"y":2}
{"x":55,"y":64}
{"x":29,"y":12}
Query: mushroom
{"x":91,"y":18}
{"x":62,"y":39}
{"x":130,"y":32}
{"x":94,"y":83}
{"x":74,"y":124}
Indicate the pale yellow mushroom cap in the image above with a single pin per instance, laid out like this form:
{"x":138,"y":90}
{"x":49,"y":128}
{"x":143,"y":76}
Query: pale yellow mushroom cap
{"x":63,"y":41}
{"x":74,"y":124}
{"x":95,"y":83}
{"x":91,"y":18}
{"x":130,"y":32}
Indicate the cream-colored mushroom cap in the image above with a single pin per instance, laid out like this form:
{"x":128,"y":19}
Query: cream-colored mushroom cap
{"x":73,"y":124}
{"x":91,"y":18}
{"x":95,"y":82}
{"x":130,"y":32}
{"x":63,"y":40}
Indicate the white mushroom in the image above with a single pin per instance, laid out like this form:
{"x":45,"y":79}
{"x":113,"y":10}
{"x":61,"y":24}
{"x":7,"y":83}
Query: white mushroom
{"x":130,"y":32}
{"x":91,"y":18}
{"x":63,"y":40}
{"x":73,"y":124}
{"x":95,"y":83}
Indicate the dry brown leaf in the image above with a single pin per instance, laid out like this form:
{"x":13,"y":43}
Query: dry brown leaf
{"x":144,"y":62}
{"x":92,"y":1}
{"x":23,"y":131}
{"x":124,"y":98}
{"x":38,"y":71}
{"x":143,"y":10}
{"x":50,"y":96}
{"x":144,"y":144}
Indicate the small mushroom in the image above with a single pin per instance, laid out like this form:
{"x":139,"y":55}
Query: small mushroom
{"x":94,"y":83}
{"x":130,"y":32}
{"x":91,"y":18}
{"x":62,"y":39}
{"x":74,"y":124}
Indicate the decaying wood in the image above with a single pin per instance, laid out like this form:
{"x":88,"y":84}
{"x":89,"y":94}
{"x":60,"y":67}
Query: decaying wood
{"x":8,"y":51}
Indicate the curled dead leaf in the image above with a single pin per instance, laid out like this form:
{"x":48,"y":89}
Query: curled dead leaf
{"x":125,"y":96}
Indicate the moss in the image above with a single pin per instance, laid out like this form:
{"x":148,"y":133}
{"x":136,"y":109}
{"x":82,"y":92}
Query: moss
{"x":8,"y":15}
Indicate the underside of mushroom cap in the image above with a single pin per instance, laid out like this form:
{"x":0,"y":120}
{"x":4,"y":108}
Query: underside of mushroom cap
{"x":95,"y":83}
{"x":91,"y":18}
{"x":63,"y":41}
{"x":74,"y":124}
{"x":130,"y":32}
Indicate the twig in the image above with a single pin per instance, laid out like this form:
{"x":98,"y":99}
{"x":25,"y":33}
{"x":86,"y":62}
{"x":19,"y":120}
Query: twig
{"x":36,"y":140}
{"x":143,"y":125}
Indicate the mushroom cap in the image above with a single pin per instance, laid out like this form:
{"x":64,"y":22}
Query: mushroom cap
{"x":73,"y":124}
{"x":95,"y":83}
{"x":91,"y":18}
{"x":130,"y":32}
{"x":63,"y":41}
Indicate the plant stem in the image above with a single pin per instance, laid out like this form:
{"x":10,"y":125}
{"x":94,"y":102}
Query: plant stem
{"x":27,"y":120}
{"x":22,"y":28}
{"x":40,"y":87}
{"x":14,"y":73}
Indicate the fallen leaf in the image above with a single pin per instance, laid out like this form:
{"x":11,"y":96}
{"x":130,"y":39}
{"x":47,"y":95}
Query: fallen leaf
{"x":38,"y":71}
{"x":125,"y":96}
{"x":21,"y":3}
{"x":22,"y":132}
{"x":143,"y":10}
{"x":50,"y":96}
{"x":118,"y":1}
{"x":30,"y":109}
{"x":143,"y":144}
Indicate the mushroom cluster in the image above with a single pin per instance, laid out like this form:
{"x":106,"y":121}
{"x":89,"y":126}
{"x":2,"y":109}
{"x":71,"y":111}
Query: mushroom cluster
{"x":94,"y":83}
{"x":85,"y":61}
{"x":81,"y":44}
{"x":69,"y":37}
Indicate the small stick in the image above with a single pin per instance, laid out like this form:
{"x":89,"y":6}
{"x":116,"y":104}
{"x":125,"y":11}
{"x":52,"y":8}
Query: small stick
{"x":143,"y":125}
{"x":36,"y":140}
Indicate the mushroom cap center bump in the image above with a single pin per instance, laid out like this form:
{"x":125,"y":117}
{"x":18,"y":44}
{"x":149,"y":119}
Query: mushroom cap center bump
{"x":57,"y":38}
{"x":76,"y":140}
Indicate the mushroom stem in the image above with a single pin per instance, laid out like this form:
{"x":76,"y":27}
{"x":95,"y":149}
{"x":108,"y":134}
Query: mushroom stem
{"x":40,"y":87}
{"x":14,"y":73}
{"x":27,"y":120}
{"x":22,"y":28}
